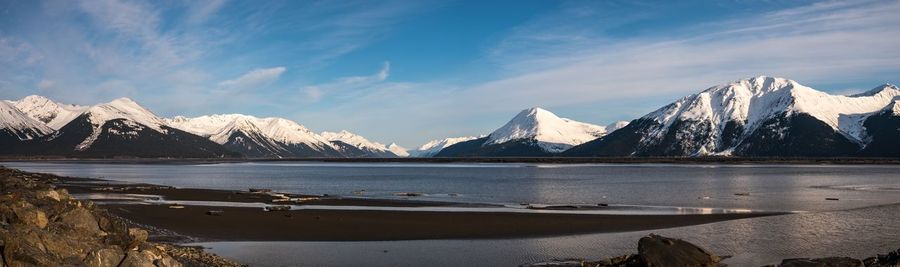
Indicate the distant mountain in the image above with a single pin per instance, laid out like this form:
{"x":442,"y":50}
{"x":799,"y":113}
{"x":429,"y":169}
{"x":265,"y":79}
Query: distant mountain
{"x":122,"y":128}
{"x":533,"y":132}
{"x":761,"y":116}
{"x":259,"y":137}
{"x":370,"y":149}
{"x":54,"y":115}
{"x":434,"y":146}
{"x":398,"y":150}
{"x":17,"y":129}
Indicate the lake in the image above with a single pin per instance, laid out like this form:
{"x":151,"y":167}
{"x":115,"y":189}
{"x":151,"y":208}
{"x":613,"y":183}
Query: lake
{"x":861,"y":223}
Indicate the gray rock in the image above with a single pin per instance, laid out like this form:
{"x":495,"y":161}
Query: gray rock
{"x":105,"y":257}
{"x":657,"y":250}
{"x":822,"y":262}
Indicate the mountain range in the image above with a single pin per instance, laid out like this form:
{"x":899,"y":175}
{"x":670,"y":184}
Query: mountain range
{"x":37,"y":126}
{"x":756,"y":117}
{"x":761,"y":117}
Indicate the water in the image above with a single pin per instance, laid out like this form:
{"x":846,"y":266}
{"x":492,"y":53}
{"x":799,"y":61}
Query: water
{"x":861,"y":223}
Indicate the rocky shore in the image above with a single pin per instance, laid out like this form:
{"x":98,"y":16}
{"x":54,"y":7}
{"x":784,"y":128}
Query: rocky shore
{"x":655,"y":251}
{"x":41,"y":225}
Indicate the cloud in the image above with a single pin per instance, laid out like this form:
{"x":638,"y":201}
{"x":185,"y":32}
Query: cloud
{"x":255,"y":77}
{"x":45,"y":84}
{"x":346,"y":85}
{"x":200,"y":11}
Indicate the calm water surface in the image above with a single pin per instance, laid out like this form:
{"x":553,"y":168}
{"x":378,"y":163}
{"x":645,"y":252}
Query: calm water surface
{"x":861,"y":223}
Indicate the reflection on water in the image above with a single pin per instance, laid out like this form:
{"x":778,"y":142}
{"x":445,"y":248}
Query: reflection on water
{"x":752,"y":242}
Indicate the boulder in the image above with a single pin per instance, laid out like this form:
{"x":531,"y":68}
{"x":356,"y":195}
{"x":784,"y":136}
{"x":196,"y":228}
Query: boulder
{"x":822,"y":262}
{"x":80,"y":220}
{"x":25,"y":248}
{"x":167,"y":261}
{"x":135,"y":258}
{"x":48,"y":194}
{"x":105,"y":257}
{"x":657,"y":250}
{"x":137,"y":236}
{"x":28,"y":214}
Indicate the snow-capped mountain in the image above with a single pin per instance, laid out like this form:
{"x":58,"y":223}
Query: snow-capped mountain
{"x":259,"y":137}
{"x":434,"y":146}
{"x":370,"y":149}
{"x":54,"y":115}
{"x":760,"y":116}
{"x":398,"y":150}
{"x":125,"y":128}
{"x":533,"y":132}
{"x":17,"y":127}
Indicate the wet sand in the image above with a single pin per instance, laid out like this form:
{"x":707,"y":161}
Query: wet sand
{"x":255,"y":224}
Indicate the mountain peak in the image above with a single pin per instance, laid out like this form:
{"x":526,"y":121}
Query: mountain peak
{"x":877,"y":90}
{"x":53,"y":114}
{"x":552,"y":133}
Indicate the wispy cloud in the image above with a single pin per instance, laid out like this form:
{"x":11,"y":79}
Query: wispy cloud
{"x":342,"y":85}
{"x":255,"y":77}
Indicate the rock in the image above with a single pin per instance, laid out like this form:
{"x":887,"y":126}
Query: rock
{"x":657,"y":250}
{"x":822,"y":262}
{"x":167,"y":261}
{"x":26,"y":250}
{"x":215,"y":212}
{"x":135,"y":258}
{"x":28,"y":214}
{"x":81,"y":220}
{"x":105,"y":257}
{"x":48,"y":194}
{"x":138,"y":236}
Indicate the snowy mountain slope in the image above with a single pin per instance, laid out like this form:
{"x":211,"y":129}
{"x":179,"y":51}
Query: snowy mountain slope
{"x":123,"y":128}
{"x":615,"y":126}
{"x":17,"y":126}
{"x":552,"y":133}
{"x":533,"y":132}
{"x":756,"y":116}
{"x":398,"y":150}
{"x":53,"y":114}
{"x":258,"y":137}
{"x":124,"y":109}
{"x":373,"y":149}
{"x":434,"y":146}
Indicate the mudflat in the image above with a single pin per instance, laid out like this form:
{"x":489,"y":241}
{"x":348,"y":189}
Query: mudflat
{"x":324,"y":224}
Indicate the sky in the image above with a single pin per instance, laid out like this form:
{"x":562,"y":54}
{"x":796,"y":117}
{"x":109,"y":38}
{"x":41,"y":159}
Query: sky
{"x":412,"y":71}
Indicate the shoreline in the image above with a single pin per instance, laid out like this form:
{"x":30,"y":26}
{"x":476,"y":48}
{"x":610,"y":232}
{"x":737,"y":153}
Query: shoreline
{"x":533,"y":160}
{"x":233,"y":223}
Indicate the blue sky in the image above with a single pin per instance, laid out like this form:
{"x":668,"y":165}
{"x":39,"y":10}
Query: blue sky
{"x":411,"y":71}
